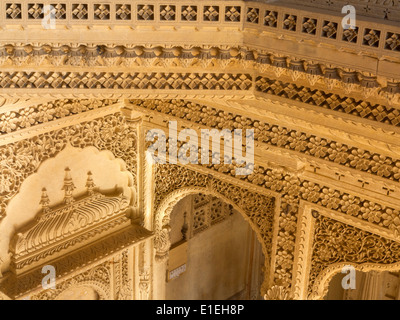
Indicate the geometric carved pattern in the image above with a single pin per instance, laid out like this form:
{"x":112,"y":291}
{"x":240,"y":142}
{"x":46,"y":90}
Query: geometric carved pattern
{"x":121,"y":80}
{"x":315,"y":97}
{"x":185,"y":56}
{"x":208,"y":210}
{"x":291,"y":187}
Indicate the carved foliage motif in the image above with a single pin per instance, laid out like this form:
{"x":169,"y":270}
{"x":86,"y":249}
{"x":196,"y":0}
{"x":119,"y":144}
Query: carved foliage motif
{"x":122,"y":282}
{"x":335,"y":242}
{"x":20,"y":159}
{"x":281,"y":137}
{"x":285,"y":244}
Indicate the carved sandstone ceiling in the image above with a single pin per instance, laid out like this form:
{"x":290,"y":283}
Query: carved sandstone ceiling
{"x":323,"y":101}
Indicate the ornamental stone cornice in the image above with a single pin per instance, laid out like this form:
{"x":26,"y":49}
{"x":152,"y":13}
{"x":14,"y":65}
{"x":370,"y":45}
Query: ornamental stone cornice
{"x":352,"y":221}
{"x":268,"y":155}
{"x":326,"y":173}
{"x":135,"y":62}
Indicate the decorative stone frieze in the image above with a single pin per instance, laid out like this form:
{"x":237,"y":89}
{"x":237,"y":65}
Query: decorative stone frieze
{"x":271,"y":66}
{"x":281,"y":137}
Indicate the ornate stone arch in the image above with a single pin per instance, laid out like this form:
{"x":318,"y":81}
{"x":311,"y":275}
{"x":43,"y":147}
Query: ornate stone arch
{"x":98,"y":287}
{"x":96,"y":278}
{"x":164,"y":211}
{"x":321,"y":284}
{"x":257,"y":209}
{"x":336,"y":244}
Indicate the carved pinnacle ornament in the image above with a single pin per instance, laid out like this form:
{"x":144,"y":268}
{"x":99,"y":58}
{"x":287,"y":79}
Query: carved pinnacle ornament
{"x":68,"y":187}
{"x":90,"y":184}
{"x":44,"y":201}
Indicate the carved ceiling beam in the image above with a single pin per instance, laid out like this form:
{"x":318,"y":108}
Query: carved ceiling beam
{"x":306,"y":147}
{"x":302,"y":116}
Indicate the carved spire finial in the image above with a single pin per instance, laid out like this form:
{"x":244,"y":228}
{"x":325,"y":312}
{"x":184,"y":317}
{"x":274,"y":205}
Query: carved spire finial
{"x":89,"y":183}
{"x":44,"y":200}
{"x":68,"y":187}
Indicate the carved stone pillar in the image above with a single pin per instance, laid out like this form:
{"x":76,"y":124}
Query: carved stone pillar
{"x":145,"y":274}
{"x":159,"y":288}
{"x":283,"y":259}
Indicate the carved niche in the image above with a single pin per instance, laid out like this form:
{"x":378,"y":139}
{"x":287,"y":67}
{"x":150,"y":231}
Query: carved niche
{"x":83,"y":238}
{"x":66,"y":226}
